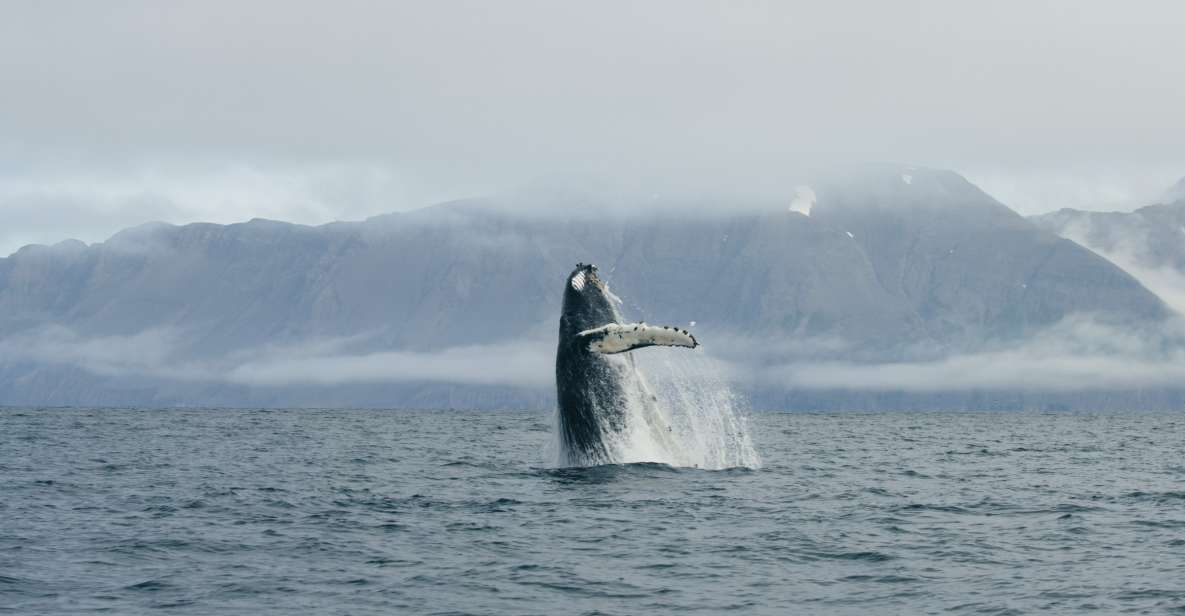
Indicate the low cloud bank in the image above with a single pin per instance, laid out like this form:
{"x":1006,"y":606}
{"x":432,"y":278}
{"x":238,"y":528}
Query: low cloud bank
{"x":1080,"y":353}
{"x":160,"y":353}
{"x":150,"y":353}
{"x":516,"y":363}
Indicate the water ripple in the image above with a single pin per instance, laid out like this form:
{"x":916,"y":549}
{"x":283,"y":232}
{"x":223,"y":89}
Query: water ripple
{"x":203,"y":511}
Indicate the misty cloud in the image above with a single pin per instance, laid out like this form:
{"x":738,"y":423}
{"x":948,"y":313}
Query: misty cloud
{"x":117,"y":114}
{"x":45,"y":208}
{"x":150,"y":353}
{"x":1129,"y":249}
{"x":513,"y":363}
{"x":161,"y":353}
{"x":1078,"y":354}
{"x":1116,"y":184}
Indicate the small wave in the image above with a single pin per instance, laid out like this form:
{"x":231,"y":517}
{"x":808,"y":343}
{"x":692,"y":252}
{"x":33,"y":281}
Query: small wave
{"x":468,"y":464}
{"x":590,"y":589}
{"x":148,"y":586}
{"x":1150,"y":593}
{"x":393,"y":562}
{"x":1062,"y":508}
{"x":138,"y":548}
{"x":609,"y":472}
{"x":1074,"y":508}
{"x":1160,"y":523}
{"x":238,"y":589}
{"x":881,"y":579}
{"x":931,"y":507}
{"x":983,"y":608}
{"x":664,"y":566}
{"x":500,"y":505}
{"x":867,"y":556}
{"x":604,"y":472}
{"x":1156,"y":496}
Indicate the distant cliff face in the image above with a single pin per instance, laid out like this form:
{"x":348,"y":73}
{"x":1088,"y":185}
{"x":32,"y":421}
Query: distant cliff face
{"x":971,"y":269}
{"x":888,"y":265}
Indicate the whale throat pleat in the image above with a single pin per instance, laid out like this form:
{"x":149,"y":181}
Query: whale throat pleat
{"x":619,"y":337}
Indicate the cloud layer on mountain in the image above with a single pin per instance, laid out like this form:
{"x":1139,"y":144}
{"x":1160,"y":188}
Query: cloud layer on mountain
{"x":900,"y":279}
{"x":1078,"y":354}
{"x":222,"y":111}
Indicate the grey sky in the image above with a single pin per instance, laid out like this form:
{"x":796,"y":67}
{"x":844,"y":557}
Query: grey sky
{"x":114,"y":113}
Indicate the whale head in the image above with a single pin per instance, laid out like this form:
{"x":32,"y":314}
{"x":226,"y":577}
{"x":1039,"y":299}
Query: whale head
{"x":587,"y":301}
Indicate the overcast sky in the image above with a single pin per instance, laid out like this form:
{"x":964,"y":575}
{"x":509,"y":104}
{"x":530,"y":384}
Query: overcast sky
{"x":114,"y":113}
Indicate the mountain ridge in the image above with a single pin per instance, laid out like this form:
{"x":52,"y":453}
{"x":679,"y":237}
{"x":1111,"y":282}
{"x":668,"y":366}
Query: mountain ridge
{"x":907,"y":264}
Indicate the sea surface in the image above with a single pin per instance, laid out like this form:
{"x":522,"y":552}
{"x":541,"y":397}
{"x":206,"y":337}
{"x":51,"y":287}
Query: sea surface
{"x":209,"y":511}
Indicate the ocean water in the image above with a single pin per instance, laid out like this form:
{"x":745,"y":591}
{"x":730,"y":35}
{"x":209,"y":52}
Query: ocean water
{"x":208,"y":511}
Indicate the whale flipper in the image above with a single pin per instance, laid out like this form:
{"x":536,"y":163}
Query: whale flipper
{"x":619,"y":337}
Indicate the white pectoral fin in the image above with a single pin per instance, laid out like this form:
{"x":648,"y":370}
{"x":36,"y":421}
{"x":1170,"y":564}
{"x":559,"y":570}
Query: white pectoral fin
{"x":619,"y":338}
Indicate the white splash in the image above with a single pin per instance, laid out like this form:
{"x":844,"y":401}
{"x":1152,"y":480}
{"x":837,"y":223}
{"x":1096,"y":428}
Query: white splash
{"x":683,"y":414}
{"x":850,"y":234}
{"x":908,"y":179}
{"x":611,"y":296}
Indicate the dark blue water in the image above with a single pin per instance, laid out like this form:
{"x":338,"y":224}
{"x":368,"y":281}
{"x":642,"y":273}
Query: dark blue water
{"x":394,"y":512}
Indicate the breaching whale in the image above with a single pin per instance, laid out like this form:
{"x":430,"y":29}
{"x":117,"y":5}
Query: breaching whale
{"x":595,"y":378}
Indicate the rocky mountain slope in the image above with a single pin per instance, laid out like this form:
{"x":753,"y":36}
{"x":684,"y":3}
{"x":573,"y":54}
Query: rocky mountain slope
{"x":1149,"y":243}
{"x":456,"y":305}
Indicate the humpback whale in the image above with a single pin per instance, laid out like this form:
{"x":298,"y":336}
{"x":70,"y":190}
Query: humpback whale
{"x":595,"y":377}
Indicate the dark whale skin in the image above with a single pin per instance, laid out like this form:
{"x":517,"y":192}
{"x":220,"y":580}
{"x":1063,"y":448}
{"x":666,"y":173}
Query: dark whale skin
{"x":591,"y":388}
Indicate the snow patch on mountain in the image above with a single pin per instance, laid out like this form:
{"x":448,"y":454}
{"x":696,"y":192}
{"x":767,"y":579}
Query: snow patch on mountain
{"x":804,"y":200}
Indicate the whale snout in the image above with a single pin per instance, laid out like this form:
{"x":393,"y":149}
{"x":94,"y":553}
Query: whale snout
{"x":584,"y":274}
